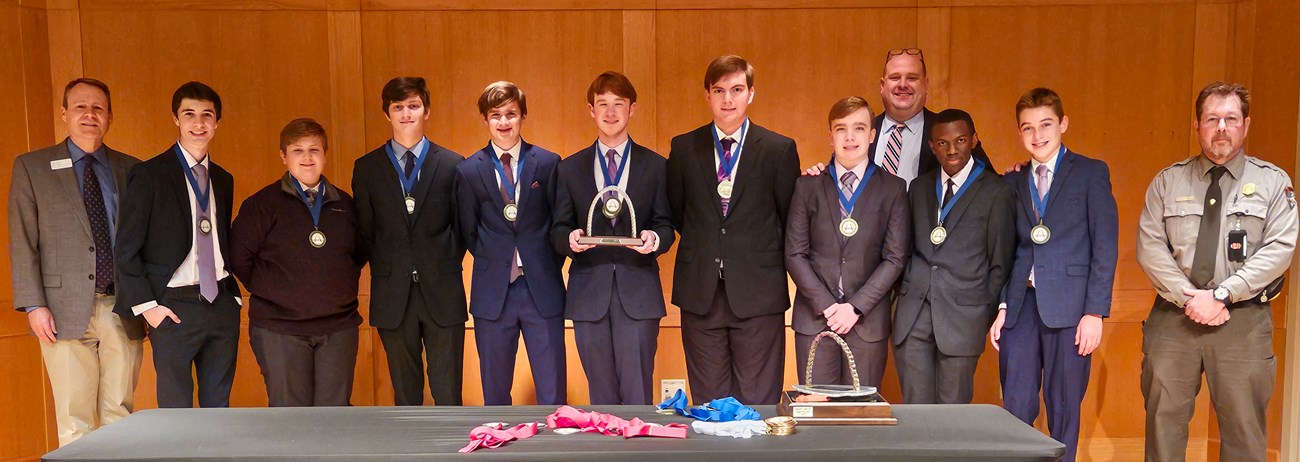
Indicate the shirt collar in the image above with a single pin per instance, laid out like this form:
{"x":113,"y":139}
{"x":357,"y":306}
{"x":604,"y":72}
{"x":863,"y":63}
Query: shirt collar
{"x":960,"y":178}
{"x":76,"y":153}
{"x":401,"y":150}
{"x":189,"y":160}
{"x":860,"y":170}
{"x":1051,"y":164}
{"x":617,"y":149}
{"x":514,"y":151}
{"x":1236,"y":166}
{"x":914,"y":124}
{"x":740,"y":132}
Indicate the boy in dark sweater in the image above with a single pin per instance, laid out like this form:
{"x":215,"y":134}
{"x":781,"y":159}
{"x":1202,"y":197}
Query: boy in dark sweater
{"x":294,"y":246}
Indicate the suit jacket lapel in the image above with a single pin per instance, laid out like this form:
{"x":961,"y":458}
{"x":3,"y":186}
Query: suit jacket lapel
{"x":707,"y":152}
{"x":1058,"y":178}
{"x":68,"y":176}
{"x":526,"y":174}
{"x":487,"y":172}
{"x":747,"y":163}
{"x":963,"y":203}
{"x":424,"y":179}
{"x":180,"y":186}
{"x":830,"y":194}
{"x":1023,"y":177}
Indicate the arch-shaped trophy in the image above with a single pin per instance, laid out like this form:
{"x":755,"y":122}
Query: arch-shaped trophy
{"x":610,"y":208}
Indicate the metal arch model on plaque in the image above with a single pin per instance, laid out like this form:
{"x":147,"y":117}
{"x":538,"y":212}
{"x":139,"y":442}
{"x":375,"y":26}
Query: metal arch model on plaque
{"x":610,"y":208}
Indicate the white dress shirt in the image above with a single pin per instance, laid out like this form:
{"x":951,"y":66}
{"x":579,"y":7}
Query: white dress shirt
{"x":188,"y":273}
{"x":736,"y":149}
{"x":958,"y":180}
{"x":909,"y":154}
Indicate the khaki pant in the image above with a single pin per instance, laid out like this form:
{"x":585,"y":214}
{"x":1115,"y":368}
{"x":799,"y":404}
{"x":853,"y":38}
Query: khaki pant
{"x":1237,"y":361}
{"x":93,"y":376}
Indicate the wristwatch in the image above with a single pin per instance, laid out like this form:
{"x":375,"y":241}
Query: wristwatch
{"x":1221,"y":294}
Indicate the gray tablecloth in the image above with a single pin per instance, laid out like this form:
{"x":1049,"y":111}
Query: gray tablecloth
{"x":924,"y":432}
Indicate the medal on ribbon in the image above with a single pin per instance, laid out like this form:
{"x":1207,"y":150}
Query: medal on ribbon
{"x":408,"y":182}
{"x":940,"y":234}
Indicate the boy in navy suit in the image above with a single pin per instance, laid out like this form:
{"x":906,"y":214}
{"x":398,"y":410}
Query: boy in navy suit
{"x":506,"y":193}
{"x":617,"y":299}
{"x":1060,"y":285}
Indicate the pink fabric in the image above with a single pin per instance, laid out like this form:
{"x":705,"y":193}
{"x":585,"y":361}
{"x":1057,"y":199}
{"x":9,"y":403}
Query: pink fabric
{"x":606,"y":424}
{"x":495,"y":436}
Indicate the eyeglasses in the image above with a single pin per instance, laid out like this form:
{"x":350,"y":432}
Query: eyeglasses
{"x":904,"y":51}
{"x":1221,"y":122}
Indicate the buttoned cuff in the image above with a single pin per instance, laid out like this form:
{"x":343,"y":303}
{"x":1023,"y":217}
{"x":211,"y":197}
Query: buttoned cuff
{"x":1002,"y":306}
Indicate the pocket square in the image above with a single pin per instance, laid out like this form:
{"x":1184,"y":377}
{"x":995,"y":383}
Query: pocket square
{"x":536,"y":185}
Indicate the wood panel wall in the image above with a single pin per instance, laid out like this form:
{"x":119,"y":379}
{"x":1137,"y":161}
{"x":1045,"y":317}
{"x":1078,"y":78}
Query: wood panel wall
{"x":1128,"y":71}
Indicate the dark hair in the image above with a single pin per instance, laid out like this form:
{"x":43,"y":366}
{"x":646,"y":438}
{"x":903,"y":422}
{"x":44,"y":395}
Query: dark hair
{"x":1225,"y":90}
{"x":401,"y":88}
{"x":501,"y":92}
{"x":298,"y":129}
{"x":847,"y":106}
{"x":197,"y":91}
{"x":954,"y":115}
{"x":611,"y":82}
{"x":1040,"y":97}
{"x":727,"y":65}
{"x":92,"y":82}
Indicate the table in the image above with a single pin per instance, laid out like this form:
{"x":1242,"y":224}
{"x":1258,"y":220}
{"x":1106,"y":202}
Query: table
{"x":924,"y":433}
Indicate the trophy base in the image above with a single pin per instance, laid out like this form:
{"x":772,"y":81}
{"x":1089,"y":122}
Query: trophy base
{"x":610,"y":240}
{"x":836,"y":413}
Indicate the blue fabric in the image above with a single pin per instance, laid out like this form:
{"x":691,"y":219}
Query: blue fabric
{"x":719,"y":410}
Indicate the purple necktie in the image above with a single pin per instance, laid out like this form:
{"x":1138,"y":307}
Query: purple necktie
{"x":515,"y":269}
{"x":1043,"y":182}
{"x":611,"y":169}
{"x":207,"y":262}
{"x":727,"y":143}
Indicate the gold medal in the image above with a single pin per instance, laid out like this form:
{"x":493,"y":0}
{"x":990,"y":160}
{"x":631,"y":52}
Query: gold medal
{"x":724,"y":189}
{"x":938,"y":235}
{"x":316,"y":239}
{"x":612,"y":207}
{"x":848,"y":227}
{"x":410,"y":205}
{"x":205,"y":226}
{"x":1040,"y":234}
{"x":511,"y":212}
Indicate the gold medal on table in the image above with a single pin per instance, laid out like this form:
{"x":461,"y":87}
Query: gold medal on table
{"x":205,"y":226}
{"x":511,"y":212}
{"x":938,"y":235}
{"x":612,"y":207}
{"x":724,"y":189}
{"x":848,"y":227}
{"x":316,"y":239}
{"x":1040,"y":234}
{"x":410,"y":205}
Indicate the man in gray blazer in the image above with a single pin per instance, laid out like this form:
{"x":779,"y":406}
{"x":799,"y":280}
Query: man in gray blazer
{"x":62,"y":217}
{"x":963,"y":243}
{"x":846,"y":242}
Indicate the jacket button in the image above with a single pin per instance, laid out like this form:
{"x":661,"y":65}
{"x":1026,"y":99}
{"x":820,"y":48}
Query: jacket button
{"x":724,"y":230}
{"x":92,"y":249}
{"x":934,"y":268}
{"x":844,"y":260}
{"x":92,"y":277}
{"x":717,"y":260}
